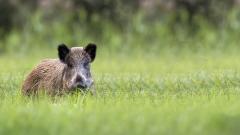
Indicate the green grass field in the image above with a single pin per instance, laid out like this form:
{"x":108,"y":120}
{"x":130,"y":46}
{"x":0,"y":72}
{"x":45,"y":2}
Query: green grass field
{"x":143,"y":93}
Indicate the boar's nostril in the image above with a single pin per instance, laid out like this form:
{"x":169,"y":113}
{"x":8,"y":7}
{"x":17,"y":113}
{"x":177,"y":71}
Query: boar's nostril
{"x":79,"y":79}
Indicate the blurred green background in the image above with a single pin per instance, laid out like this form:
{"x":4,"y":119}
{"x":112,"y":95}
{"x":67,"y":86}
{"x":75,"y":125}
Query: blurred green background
{"x":162,"y":66}
{"x":119,"y":25}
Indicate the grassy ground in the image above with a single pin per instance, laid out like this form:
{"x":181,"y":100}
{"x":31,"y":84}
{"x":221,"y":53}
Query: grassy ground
{"x":143,"y":93}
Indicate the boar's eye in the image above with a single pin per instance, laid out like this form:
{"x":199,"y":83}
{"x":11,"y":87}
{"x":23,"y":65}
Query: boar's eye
{"x":70,"y":65}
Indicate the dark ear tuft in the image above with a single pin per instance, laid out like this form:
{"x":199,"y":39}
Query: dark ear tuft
{"x":91,"y":50}
{"x":63,"y":50}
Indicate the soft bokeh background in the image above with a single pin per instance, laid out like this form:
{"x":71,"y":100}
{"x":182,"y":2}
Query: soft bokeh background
{"x":119,"y":25}
{"x":162,"y":66}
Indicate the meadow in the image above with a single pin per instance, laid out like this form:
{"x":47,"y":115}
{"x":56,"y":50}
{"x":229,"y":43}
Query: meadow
{"x":149,"y":80}
{"x":139,"y":93}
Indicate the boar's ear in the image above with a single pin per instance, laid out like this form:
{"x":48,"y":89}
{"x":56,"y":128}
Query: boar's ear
{"x":63,"y":51}
{"x":91,"y":51}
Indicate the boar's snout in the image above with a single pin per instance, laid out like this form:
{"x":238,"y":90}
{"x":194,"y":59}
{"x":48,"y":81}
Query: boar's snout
{"x":83,"y":83}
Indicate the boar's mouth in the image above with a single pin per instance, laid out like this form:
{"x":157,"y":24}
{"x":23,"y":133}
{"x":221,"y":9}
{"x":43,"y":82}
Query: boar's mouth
{"x":81,"y":87}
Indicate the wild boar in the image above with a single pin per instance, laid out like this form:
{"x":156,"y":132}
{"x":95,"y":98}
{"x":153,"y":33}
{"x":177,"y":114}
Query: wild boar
{"x":65,"y":74}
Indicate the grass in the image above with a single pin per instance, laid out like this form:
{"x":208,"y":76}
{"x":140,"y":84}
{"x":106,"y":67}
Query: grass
{"x":141,"y":93}
{"x":149,"y":79}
